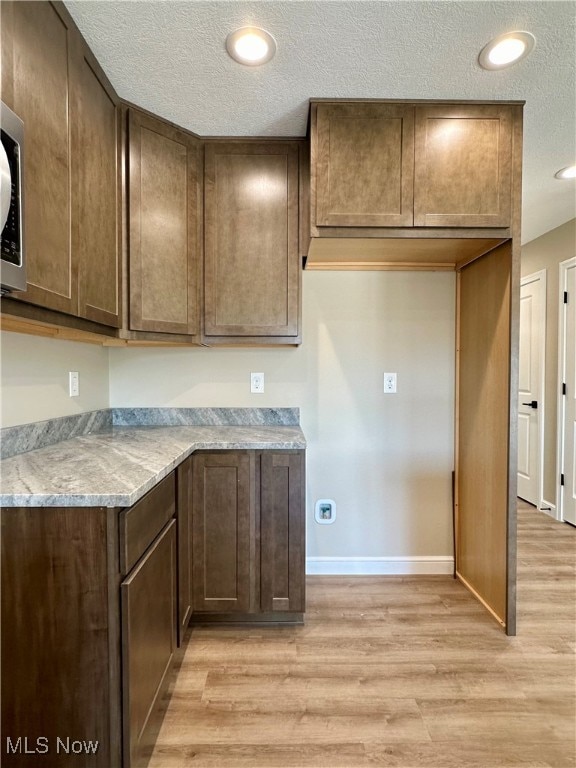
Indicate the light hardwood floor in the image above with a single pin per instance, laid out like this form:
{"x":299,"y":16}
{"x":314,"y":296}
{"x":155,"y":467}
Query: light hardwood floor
{"x":390,"y":671}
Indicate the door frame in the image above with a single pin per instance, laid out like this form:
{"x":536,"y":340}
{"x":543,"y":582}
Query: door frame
{"x":541,"y":275}
{"x":563,"y":268}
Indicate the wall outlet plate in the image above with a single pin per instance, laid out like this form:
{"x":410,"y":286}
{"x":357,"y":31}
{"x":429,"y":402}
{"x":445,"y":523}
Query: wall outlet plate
{"x":390,"y":383}
{"x":325,"y":511}
{"x":257,"y":383}
{"x":73,"y":383}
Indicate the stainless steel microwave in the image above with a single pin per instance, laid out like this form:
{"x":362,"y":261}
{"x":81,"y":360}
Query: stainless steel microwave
{"x":12,"y":252}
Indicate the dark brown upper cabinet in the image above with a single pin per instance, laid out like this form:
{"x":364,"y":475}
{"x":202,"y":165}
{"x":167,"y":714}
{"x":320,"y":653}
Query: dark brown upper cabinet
{"x":364,"y":165}
{"x":37,"y":47}
{"x":399,"y":165}
{"x":71,"y":180}
{"x":96,"y":191}
{"x":251,"y":262}
{"x":463,"y":166}
{"x":163,"y":222}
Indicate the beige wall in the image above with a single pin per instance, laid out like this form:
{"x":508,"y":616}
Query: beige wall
{"x":34,"y":378}
{"x":385,"y":459}
{"x":547,"y":252}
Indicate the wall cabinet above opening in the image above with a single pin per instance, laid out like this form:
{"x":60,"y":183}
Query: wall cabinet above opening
{"x":381,"y":166}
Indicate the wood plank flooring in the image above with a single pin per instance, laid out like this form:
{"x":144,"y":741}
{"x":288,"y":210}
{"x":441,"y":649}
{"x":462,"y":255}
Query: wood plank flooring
{"x":390,"y":671}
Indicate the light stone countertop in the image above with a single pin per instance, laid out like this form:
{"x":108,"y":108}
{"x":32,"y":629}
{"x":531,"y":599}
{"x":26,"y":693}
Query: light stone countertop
{"x":116,"y":467}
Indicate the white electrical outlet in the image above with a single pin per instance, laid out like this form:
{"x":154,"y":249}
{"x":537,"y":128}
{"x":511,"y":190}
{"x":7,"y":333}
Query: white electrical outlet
{"x":257,"y":383}
{"x":73,"y":383}
{"x":389,"y":383}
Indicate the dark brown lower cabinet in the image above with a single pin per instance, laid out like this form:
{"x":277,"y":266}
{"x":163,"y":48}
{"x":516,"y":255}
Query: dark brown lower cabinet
{"x":282,"y":532}
{"x":148,"y":599}
{"x":60,"y":638}
{"x":248,"y":535}
{"x":88,"y":601}
{"x":222,"y":515}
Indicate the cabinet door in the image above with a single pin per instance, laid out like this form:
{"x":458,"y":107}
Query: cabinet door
{"x":184,"y":516}
{"x":462,"y":162}
{"x":58,"y":619}
{"x":222,"y":532}
{"x":163,"y":199}
{"x":148,"y":598}
{"x":363,"y":162}
{"x":252,"y":273}
{"x":282,"y":528}
{"x":36,"y":42}
{"x":96,"y":196}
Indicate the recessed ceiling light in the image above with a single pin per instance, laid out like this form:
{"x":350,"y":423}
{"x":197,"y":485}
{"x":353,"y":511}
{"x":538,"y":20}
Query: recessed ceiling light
{"x":506,"y":50}
{"x":251,"y":45}
{"x":566,"y":173}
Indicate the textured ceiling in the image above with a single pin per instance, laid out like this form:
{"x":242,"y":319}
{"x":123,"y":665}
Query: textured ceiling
{"x":169,"y":57}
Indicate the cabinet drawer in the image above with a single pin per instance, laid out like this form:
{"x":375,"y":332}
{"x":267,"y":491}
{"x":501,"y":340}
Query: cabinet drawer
{"x":140,"y":524}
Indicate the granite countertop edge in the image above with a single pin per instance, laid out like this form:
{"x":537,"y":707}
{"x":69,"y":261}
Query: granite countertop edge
{"x":116,"y":467}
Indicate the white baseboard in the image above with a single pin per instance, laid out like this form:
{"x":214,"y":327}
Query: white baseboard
{"x":551,"y":511}
{"x":380,"y":566}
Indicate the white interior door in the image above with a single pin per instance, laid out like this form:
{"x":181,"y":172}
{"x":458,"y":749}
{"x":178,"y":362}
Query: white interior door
{"x":568,"y":400}
{"x":531,"y":386}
